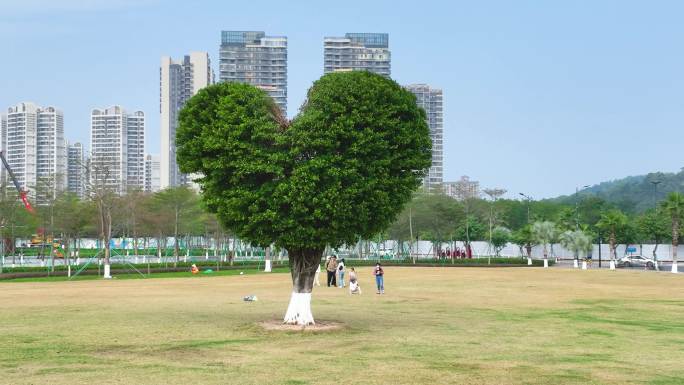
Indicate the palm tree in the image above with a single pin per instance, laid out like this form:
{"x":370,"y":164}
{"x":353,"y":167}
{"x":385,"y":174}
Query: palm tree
{"x":612,"y":222}
{"x":674,"y":206}
{"x":576,"y":241}
{"x":543,"y":233}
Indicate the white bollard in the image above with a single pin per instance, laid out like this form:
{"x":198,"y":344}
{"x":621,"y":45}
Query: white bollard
{"x":674,"y":268}
{"x":529,"y":261}
{"x":107,"y":272}
{"x":584,"y":265}
{"x":574,"y":264}
{"x":267,"y":266}
{"x":612,"y":265}
{"x":546,"y":262}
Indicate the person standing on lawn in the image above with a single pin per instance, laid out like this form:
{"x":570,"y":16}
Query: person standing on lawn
{"x":331,"y":268}
{"x":340,"y":272}
{"x":379,"y":278}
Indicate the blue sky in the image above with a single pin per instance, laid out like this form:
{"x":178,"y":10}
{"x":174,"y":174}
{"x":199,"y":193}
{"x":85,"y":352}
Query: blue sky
{"x":540,"y":96}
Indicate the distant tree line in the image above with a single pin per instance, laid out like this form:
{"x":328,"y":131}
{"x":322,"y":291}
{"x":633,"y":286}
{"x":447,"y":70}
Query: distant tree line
{"x":173,"y":212}
{"x":441,"y":219}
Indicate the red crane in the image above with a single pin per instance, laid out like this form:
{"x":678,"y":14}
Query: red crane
{"x":22,"y":193}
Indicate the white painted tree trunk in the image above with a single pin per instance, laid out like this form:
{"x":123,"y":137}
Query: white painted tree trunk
{"x":612,"y":265}
{"x":574,"y":264}
{"x":107,"y":271}
{"x":529,"y":261}
{"x":267,"y":260}
{"x":584,"y":265}
{"x":68,"y":270}
{"x":546,"y":262}
{"x":299,"y":310}
{"x":674,"y":267}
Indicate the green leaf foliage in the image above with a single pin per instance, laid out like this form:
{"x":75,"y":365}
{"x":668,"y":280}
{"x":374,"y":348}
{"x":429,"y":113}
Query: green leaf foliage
{"x":342,"y":169}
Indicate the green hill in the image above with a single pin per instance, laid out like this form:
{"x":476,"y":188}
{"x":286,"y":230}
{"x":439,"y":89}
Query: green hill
{"x":633,"y":193}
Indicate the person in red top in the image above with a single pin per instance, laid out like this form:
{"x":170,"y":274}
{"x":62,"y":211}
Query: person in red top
{"x":379,"y":278}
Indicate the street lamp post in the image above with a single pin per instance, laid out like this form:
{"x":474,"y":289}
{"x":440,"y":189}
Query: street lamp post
{"x":528,"y":198}
{"x":655,"y":184}
{"x":577,"y":190}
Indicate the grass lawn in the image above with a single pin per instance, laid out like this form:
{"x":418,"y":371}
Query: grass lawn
{"x":434,"y":326}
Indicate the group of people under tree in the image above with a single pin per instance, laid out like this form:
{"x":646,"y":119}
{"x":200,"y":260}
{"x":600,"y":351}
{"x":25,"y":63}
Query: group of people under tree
{"x":336,"y":270}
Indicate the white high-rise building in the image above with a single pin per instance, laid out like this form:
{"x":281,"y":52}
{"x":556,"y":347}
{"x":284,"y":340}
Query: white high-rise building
{"x":51,"y":153}
{"x":136,"y":151}
{"x":35,"y":149}
{"x":3,"y":144}
{"x":179,"y":81}
{"x":117,"y":149}
{"x":252,"y":57}
{"x":430,"y":99}
{"x":357,"y":51}
{"x":76,"y":169}
{"x":152,"y":173}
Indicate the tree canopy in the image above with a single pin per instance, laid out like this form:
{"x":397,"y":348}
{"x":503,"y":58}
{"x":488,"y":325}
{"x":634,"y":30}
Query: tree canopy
{"x":342,"y":169}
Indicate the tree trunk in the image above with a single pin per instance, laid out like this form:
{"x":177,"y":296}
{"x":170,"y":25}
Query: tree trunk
{"x":135,"y":242}
{"x":303,"y":265}
{"x":267,"y":260}
{"x":107,"y":266}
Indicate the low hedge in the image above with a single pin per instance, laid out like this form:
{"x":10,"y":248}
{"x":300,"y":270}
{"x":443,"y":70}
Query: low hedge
{"x":494,"y":261}
{"x":181,"y":266}
{"x":154,"y":266}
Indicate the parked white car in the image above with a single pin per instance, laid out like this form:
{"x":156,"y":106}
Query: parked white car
{"x":636,"y":261}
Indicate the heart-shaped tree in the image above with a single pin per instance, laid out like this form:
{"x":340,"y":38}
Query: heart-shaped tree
{"x":342,"y":169}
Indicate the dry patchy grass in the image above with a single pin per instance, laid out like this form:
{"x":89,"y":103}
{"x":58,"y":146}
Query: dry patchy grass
{"x":434,"y":325}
